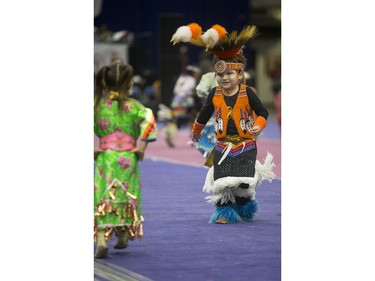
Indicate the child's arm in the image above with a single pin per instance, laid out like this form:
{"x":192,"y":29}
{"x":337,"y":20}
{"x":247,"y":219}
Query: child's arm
{"x":196,"y":132}
{"x":260,"y":110}
{"x":140,"y":149}
{"x":148,"y":132}
{"x":148,"y":126}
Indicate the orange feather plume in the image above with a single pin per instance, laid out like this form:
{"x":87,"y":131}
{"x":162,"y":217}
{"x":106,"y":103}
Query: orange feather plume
{"x":196,"y":30}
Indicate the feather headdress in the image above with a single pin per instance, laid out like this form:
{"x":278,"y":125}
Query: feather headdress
{"x":217,"y":40}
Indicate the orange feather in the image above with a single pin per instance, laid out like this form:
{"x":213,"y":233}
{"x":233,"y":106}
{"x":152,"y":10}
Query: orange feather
{"x":196,"y":30}
{"x":220,"y":30}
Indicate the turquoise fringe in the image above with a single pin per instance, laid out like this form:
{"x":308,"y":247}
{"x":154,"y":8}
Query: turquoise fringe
{"x":227,"y":212}
{"x":247,"y":211}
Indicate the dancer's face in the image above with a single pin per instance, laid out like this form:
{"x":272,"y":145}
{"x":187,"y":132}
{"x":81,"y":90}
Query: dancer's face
{"x":229,"y":80}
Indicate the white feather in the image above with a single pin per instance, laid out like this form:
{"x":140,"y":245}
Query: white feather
{"x":210,"y":38}
{"x":182,"y":34}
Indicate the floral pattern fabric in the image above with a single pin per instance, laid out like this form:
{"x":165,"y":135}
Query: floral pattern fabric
{"x":117,"y":186}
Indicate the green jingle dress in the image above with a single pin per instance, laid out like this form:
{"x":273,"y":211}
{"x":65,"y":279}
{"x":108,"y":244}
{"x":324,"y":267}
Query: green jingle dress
{"x":117,"y":185}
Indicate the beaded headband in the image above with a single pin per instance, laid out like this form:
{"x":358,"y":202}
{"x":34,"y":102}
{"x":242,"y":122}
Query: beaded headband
{"x":221,"y":66}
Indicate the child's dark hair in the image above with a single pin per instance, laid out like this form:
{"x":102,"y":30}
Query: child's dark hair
{"x":114,"y":77}
{"x":239,"y":58}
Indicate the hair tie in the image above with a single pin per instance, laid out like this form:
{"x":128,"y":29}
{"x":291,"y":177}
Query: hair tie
{"x":113,"y":95}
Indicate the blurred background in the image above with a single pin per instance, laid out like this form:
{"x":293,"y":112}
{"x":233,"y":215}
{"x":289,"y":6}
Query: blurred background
{"x":139,"y":32}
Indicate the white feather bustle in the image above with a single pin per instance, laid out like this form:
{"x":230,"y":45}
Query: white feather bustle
{"x":225,"y":189}
{"x":210,"y":38}
{"x":182,"y":34}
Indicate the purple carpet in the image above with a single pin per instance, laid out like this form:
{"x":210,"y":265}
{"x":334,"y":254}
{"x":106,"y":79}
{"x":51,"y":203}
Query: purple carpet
{"x":180,"y":244}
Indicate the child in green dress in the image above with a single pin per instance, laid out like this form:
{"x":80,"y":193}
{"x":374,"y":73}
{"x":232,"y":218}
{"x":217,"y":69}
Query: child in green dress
{"x":124,"y":127}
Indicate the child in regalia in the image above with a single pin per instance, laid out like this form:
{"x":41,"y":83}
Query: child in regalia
{"x":124,"y":127}
{"x":234,"y":170}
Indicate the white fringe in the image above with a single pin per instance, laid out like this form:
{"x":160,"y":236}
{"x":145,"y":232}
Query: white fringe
{"x":265,"y":171}
{"x":225,"y":189}
{"x":209,"y":182}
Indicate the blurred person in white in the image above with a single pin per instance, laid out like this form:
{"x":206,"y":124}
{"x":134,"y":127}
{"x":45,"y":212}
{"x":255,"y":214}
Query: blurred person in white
{"x":208,"y":141}
{"x":183,"y":103}
{"x":277,"y":107}
{"x":183,"y":95}
{"x":136,"y":89}
{"x":152,"y":95}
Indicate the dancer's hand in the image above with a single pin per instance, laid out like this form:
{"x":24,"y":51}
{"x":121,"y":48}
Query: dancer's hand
{"x":196,"y":131}
{"x":255,"y":130}
{"x":140,"y":150}
{"x":196,"y":137}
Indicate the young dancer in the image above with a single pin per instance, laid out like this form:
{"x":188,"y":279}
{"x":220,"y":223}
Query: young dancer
{"x":234,"y":171}
{"x":124,"y":127}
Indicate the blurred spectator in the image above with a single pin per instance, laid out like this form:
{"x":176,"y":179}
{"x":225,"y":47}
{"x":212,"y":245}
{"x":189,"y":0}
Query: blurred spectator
{"x":117,"y":60}
{"x":277,"y":107}
{"x":250,"y":78}
{"x":183,"y":95}
{"x":205,"y":63}
{"x":182,"y":111}
{"x":136,"y":91}
{"x":205,"y":85}
{"x":276,"y":89}
{"x":152,"y":96}
{"x":103,"y":33}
